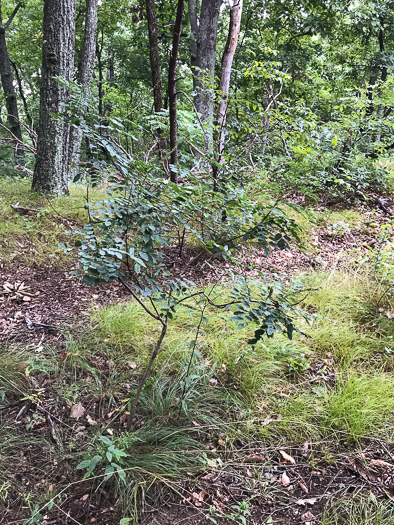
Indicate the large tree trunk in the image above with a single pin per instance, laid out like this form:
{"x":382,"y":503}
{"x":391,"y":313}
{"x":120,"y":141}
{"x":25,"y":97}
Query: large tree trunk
{"x":202,"y":48}
{"x":9,"y":90}
{"x":224,"y":85}
{"x":172,"y":97}
{"x":85,"y":76}
{"x":51,"y":170}
{"x":157,"y":83}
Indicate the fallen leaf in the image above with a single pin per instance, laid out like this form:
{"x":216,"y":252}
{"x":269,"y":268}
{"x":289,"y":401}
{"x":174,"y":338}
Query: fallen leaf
{"x":304,"y":487}
{"x":285,"y":479}
{"x":90,"y":420}
{"x":308,"y":516}
{"x":85,"y":497}
{"x":310,"y":501}
{"x":218,"y":506}
{"x":254,"y":458}
{"x":380,"y":463}
{"x":77,"y":411}
{"x":221,"y":443}
{"x":287,"y":457}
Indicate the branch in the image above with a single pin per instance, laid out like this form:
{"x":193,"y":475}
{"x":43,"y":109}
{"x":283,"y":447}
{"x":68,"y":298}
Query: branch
{"x":11,"y":18}
{"x":149,"y":312}
{"x":15,"y":138}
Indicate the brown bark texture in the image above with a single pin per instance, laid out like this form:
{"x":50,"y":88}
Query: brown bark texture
{"x":51,"y":170}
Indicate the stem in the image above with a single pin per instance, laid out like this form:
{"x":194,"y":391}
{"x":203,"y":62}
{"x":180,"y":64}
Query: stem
{"x":146,"y":374}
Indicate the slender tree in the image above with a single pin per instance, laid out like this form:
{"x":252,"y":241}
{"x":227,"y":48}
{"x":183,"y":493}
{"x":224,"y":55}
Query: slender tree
{"x":7,"y":82}
{"x":224,"y":84}
{"x":51,"y":170}
{"x":172,"y":95}
{"x":157,"y":83}
{"x":85,"y":75}
{"x":203,"y":46}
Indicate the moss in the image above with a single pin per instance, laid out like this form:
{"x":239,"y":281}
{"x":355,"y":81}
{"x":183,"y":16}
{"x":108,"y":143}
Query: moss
{"x":33,"y":239}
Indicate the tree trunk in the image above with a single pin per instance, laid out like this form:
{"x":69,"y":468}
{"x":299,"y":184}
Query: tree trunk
{"x":204,"y":32}
{"x":172,"y":88}
{"x":99,"y":53}
{"x":85,"y":76}
{"x":22,"y":94}
{"x":51,"y":170}
{"x":224,"y":85}
{"x":157,"y":83}
{"x":9,"y":90}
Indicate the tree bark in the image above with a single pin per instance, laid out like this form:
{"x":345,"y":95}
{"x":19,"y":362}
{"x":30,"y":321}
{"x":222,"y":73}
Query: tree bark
{"x":172,"y":96}
{"x":224,"y":85}
{"x":204,"y":31}
{"x":7,"y":82}
{"x":51,"y":170}
{"x":157,"y":83}
{"x":85,"y":75}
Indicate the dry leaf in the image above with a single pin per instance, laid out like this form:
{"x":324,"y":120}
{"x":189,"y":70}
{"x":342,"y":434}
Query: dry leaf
{"x":304,"y":487}
{"x":308,"y":516}
{"x":218,"y":506}
{"x":380,"y":463}
{"x":77,"y":411}
{"x":310,"y":501}
{"x":221,"y":443}
{"x":85,"y":497}
{"x":285,"y":479}
{"x":286,"y":457}
{"x":90,"y":420}
{"x":199,"y":498}
{"x":254,"y":458}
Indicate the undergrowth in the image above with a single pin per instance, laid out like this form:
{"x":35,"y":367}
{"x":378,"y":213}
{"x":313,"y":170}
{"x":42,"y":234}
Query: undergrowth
{"x":32,"y":236}
{"x":331,"y":387}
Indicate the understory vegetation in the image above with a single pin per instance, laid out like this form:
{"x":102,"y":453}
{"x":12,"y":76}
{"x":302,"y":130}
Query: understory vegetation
{"x":225,"y":411}
{"x":196,"y":262}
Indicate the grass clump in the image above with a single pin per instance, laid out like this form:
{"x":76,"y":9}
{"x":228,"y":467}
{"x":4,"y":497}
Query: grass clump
{"x":363,"y":509}
{"x":362,"y":406}
{"x":13,"y":379}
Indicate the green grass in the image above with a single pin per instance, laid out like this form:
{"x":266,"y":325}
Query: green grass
{"x":359,"y":510}
{"x":362,"y":406}
{"x":265,"y":393}
{"x":33,"y":239}
{"x":13,"y":372}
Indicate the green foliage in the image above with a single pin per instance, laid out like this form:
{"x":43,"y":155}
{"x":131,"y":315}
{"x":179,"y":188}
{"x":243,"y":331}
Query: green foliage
{"x":113,"y":460}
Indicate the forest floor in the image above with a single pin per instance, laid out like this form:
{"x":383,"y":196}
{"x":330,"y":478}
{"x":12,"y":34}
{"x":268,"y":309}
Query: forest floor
{"x":286,"y":432}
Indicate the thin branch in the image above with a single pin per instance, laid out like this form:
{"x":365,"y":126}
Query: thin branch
{"x":11,"y":18}
{"x":29,"y":148}
{"x":132,"y":292}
